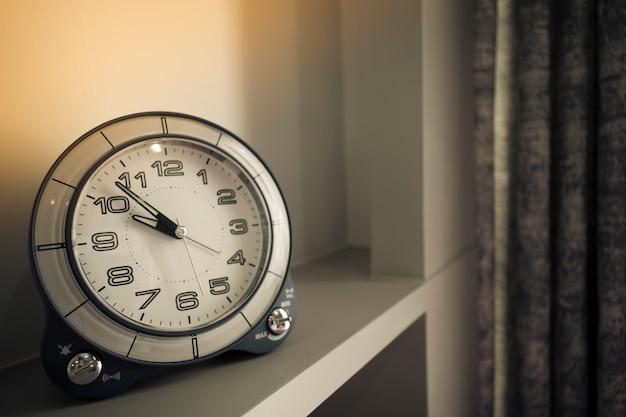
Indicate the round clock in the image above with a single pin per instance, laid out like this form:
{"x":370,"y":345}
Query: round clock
{"x":158,"y":239}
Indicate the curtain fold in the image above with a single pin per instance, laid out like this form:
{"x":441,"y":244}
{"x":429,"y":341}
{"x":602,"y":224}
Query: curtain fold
{"x":574,"y":153}
{"x":528,"y":246}
{"x":563,"y":239}
{"x":611,"y":210}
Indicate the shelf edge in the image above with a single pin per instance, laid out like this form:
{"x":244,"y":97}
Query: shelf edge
{"x":342,"y":362}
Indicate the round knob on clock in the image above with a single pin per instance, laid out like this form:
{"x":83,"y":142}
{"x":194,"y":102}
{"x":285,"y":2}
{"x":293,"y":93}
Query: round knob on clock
{"x":279,"y":321}
{"x":84,"y":368}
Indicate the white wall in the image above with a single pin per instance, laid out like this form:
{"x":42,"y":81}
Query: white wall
{"x":448,"y":145}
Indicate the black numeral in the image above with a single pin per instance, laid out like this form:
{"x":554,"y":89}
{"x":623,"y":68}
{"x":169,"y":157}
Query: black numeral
{"x":120,"y":275}
{"x":115,"y":204}
{"x":125,"y":178}
{"x":104,"y":241}
{"x":239,"y":226}
{"x":141,"y":176}
{"x":226,"y":196}
{"x":152,"y":293}
{"x":168,"y":168}
{"x":237,"y":258}
{"x":219,"y":285}
{"x":187,"y":300}
{"x":202,"y":174}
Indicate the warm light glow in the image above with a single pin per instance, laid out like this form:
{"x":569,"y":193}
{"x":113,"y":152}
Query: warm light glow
{"x":156,"y":148}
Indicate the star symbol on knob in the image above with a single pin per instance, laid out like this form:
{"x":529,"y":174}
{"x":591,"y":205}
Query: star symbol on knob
{"x":65,"y":350}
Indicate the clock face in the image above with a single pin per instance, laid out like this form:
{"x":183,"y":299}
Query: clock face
{"x":168,"y":235}
{"x":160,"y":237}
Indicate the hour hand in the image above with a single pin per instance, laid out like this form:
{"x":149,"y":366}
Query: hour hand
{"x":160,"y":222}
{"x":155,"y":224}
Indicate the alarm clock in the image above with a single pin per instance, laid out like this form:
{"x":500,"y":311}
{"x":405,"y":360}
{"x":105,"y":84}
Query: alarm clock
{"x":158,"y":239}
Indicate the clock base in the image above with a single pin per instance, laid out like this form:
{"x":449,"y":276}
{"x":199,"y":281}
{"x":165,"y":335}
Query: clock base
{"x":85,"y":370}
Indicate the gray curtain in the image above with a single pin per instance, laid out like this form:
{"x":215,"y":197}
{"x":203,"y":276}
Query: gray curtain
{"x":550,"y":132}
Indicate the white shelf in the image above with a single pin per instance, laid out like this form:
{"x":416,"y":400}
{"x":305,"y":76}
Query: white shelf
{"x":345,"y":318}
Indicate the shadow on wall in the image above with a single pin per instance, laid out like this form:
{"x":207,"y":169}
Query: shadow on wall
{"x":21,"y":322}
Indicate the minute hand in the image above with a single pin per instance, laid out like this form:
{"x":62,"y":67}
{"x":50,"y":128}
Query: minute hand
{"x":163,"y":223}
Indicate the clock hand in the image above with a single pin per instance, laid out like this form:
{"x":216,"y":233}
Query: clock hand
{"x":183,"y":233}
{"x":163,"y":224}
{"x":202,"y":244}
{"x":154,"y":223}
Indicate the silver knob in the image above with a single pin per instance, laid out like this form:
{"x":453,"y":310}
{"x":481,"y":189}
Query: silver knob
{"x":84,"y":368}
{"x":279,"y":321}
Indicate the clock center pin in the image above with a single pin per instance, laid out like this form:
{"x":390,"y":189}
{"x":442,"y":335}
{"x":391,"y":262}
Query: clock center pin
{"x":181,"y":232}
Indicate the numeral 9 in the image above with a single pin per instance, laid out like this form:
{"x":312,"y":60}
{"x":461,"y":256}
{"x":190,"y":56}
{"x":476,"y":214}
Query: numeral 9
{"x":104,"y":241}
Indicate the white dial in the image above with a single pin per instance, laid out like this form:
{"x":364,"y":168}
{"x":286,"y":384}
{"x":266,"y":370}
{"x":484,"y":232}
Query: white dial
{"x":169,"y":234}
